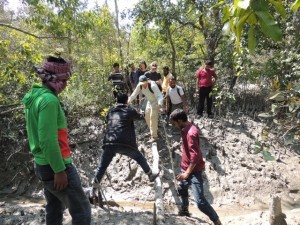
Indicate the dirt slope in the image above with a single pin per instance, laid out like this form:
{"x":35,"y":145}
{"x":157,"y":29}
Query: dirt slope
{"x":237,"y":183}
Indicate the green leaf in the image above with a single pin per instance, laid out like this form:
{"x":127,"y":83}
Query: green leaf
{"x":267,"y":155}
{"x":279,"y":97}
{"x":244,"y":4}
{"x":289,"y":139}
{"x":269,"y":26}
{"x":296,"y":5}
{"x":259,"y":5}
{"x":218,"y":4}
{"x":297,"y":88}
{"x":252,"y":19}
{"x":279,"y":7}
{"x":265,"y":115}
{"x":226,"y":13}
{"x":251,"y":39}
{"x":239,"y":27}
{"x":257,"y":148}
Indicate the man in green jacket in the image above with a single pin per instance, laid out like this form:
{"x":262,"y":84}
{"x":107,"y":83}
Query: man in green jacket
{"x":48,"y":140}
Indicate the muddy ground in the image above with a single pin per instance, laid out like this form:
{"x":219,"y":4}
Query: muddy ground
{"x":238,"y":183}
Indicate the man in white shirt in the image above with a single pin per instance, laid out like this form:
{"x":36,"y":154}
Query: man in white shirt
{"x":154,"y":103}
{"x":175,"y":97}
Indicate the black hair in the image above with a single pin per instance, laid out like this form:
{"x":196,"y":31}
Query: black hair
{"x":208,"y":62}
{"x":122,"y":98}
{"x":173,"y":78}
{"x":116,"y":64}
{"x":55,"y":59}
{"x":178,"y":114}
{"x":166,"y":68}
{"x":143,"y":62}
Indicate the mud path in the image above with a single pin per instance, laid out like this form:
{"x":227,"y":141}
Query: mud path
{"x":238,"y":183}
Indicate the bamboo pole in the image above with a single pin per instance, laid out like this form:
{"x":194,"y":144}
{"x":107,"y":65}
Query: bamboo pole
{"x":159,"y":217}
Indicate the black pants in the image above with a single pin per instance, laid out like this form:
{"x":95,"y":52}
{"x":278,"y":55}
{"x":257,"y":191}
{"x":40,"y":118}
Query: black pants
{"x":204,"y":93}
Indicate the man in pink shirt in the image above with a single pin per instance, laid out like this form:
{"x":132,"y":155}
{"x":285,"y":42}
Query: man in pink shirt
{"x":192,"y":165}
{"x":206,"y":78}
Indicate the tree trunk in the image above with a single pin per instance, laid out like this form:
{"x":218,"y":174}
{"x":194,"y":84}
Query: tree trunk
{"x":119,"y":32}
{"x":172,"y":47}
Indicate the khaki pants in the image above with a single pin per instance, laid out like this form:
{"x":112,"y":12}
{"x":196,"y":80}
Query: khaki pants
{"x":151,"y":116}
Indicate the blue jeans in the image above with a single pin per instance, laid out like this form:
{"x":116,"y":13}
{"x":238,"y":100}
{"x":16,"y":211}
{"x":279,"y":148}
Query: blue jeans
{"x":72,"y":197}
{"x":110,"y":151}
{"x":196,"y":183}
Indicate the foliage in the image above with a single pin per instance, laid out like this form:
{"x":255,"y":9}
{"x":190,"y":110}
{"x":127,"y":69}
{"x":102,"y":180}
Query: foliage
{"x":180,"y":34}
{"x":261,"y":148}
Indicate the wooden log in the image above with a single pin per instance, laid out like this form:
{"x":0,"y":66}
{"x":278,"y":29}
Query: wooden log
{"x":159,"y":206}
{"x":276,"y":215}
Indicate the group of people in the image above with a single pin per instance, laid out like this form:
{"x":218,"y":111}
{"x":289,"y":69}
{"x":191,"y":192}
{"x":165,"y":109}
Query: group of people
{"x":48,"y":140}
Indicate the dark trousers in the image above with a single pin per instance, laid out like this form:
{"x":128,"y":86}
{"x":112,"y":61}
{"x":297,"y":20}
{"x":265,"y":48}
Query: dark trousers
{"x":204,"y":93}
{"x":195,"y":181}
{"x":110,"y":151}
{"x":72,"y":197}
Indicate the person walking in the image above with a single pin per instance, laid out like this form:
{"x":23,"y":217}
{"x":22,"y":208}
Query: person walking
{"x":134,"y":80}
{"x":141,"y":70}
{"x":154,"y":75}
{"x":166,"y":80}
{"x":120,"y":138}
{"x":48,"y":140}
{"x":175,"y":97}
{"x":154,"y":103}
{"x":192,"y":165}
{"x":205,"y":80}
{"x":117,"y":79}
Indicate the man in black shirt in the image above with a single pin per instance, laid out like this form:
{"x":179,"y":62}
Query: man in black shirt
{"x":117,"y":80}
{"x":153,"y":74}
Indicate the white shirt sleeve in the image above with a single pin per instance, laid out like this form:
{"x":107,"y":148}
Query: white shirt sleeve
{"x":135,"y":93}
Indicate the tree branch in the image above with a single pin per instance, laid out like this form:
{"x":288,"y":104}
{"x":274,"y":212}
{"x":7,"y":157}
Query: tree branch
{"x":25,"y":32}
{"x":7,"y":111}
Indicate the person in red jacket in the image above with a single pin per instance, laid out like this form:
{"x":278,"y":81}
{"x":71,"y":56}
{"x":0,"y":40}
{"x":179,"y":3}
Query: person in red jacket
{"x":206,"y":79}
{"x":192,"y":165}
{"x":48,"y":140}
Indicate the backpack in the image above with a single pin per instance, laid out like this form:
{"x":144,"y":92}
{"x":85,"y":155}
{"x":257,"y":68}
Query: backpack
{"x":178,"y":92}
{"x":150,"y":89}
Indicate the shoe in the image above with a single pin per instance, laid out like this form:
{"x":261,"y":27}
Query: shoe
{"x":152,"y":139}
{"x":152,"y":176}
{"x":218,"y":222}
{"x":184,"y":212}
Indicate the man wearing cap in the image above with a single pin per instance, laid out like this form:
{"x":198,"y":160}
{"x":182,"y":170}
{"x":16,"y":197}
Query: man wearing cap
{"x":154,"y":103}
{"x":48,"y":140}
{"x":153,"y":74}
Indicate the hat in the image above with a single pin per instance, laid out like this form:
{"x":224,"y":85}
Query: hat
{"x":56,"y":65}
{"x":143,"y":78}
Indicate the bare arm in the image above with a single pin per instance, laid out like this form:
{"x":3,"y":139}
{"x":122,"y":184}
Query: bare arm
{"x":186,"y":174}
